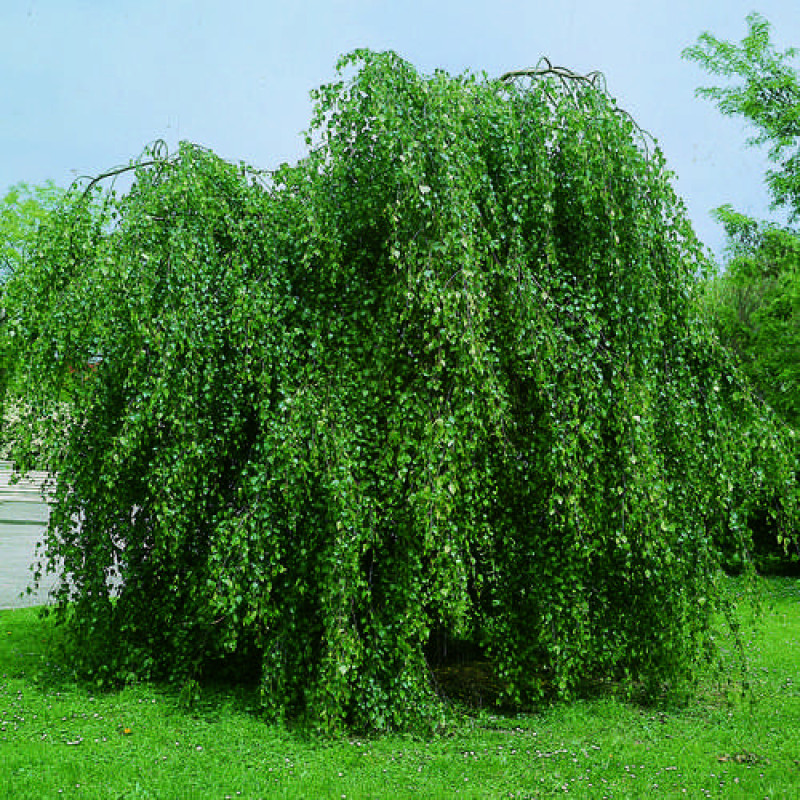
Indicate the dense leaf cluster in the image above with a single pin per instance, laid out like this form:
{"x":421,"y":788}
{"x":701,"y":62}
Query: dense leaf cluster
{"x":755,"y":308}
{"x":441,"y":377}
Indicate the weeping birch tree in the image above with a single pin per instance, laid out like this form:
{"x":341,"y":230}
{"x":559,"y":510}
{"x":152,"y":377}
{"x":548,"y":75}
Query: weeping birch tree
{"x":442,"y":375}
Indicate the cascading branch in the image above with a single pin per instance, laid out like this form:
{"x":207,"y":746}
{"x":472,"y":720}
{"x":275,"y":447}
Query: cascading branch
{"x":442,"y":375}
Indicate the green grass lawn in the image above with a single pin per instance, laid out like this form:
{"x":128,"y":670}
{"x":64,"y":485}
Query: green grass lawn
{"x":59,"y":739}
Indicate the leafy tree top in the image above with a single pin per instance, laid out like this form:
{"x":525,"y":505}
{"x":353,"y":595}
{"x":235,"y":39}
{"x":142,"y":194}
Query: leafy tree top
{"x":766,"y":93}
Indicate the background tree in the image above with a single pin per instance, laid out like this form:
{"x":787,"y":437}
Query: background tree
{"x":754,"y":304}
{"x":755,"y":307}
{"x":766,"y":94}
{"x":444,"y":376}
{"x":22,"y":210}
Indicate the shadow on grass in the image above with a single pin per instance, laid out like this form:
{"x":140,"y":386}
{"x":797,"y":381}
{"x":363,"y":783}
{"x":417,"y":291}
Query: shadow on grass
{"x":34,"y":649}
{"x":463,"y":677}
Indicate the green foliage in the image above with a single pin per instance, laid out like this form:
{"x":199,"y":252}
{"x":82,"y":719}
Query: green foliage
{"x":767,"y":95}
{"x":444,"y":374}
{"x":754,"y":305}
{"x":755,"y":308}
{"x":22,"y":210}
{"x":28,"y":218}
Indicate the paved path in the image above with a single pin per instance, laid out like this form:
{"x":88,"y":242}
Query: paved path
{"x":23,"y":517}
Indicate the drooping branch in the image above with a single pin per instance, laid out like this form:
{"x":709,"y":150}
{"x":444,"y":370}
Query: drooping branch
{"x":567,"y":81}
{"x":594,"y":79}
{"x":159,"y":155}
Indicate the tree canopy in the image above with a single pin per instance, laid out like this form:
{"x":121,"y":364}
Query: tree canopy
{"x":754,"y":304}
{"x":766,"y":93}
{"x":444,"y":374}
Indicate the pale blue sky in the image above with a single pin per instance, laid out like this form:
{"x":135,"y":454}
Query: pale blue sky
{"x":85,"y":84}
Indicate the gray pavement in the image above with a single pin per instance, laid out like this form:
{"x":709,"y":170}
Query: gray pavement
{"x":23,"y":518}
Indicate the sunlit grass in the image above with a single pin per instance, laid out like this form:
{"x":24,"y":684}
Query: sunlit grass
{"x":60,"y":739}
